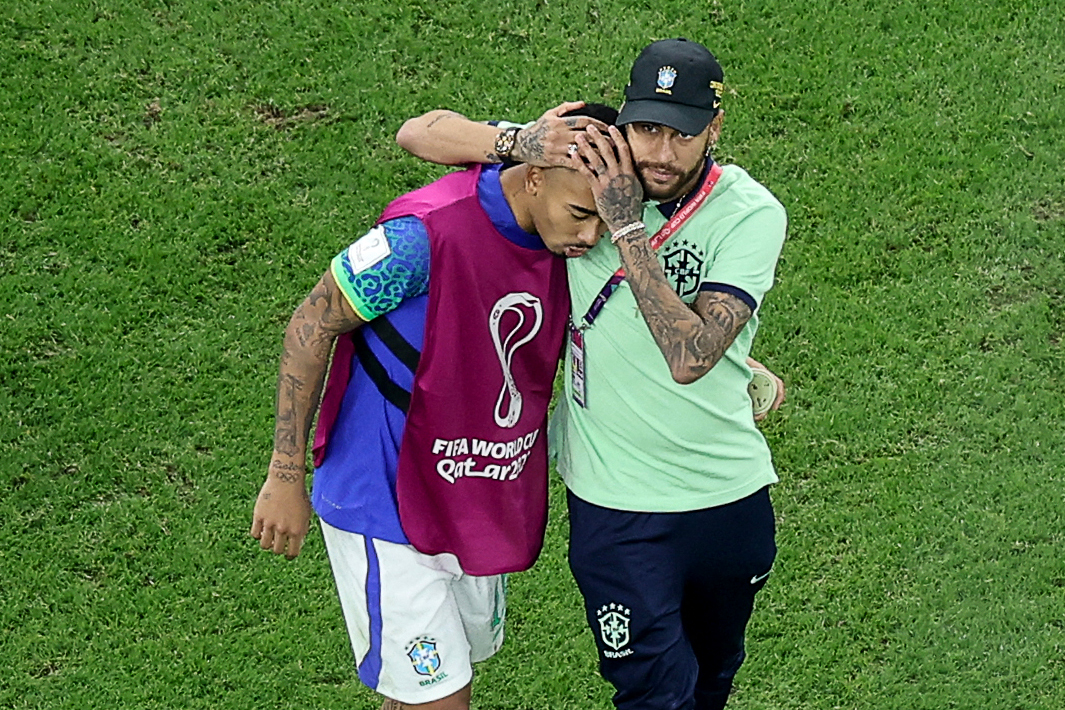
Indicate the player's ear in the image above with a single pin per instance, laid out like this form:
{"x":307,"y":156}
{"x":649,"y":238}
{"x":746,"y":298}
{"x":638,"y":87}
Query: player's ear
{"x":715,"y":126}
{"x":534,"y":180}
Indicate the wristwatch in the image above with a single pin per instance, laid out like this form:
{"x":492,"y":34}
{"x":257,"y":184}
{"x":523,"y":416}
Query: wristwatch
{"x":505,"y":142}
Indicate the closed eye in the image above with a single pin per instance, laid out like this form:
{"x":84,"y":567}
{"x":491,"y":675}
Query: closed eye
{"x":581,"y":213}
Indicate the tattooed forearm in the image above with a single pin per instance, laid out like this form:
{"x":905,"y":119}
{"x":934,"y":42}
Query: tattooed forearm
{"x":299,"y":387}
{"x":314,"y":326}
{"x":287,"y":472}
{"x":286,"y":426}
{"x":727,"y":311}
{"x":621,"y":203}
{"x":692,"y":339}
{"x":295,"y":408}
{"x":723,"y":317}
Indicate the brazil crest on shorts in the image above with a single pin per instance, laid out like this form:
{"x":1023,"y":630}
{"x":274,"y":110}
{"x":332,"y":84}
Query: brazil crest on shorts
{"x":424,"y":657}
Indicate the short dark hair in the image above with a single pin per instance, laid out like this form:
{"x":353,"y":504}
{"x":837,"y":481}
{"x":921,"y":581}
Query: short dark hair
{"x":600,"y":112}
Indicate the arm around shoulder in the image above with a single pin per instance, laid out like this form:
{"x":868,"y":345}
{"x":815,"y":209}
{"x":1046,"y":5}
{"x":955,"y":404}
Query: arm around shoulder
{"x":448,"y":138}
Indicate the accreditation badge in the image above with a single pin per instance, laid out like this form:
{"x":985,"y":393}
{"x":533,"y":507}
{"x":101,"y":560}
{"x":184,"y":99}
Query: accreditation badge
{"x":576,"y":349}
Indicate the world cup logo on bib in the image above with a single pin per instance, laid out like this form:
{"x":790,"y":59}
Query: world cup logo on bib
{"x":515,"y":320}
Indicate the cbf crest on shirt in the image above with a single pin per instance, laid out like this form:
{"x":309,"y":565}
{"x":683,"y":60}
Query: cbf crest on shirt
{"x":683,"y":263}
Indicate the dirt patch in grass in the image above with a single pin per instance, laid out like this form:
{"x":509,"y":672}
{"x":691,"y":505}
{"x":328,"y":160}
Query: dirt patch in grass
{"x":1049,"y":210}
{"x":280,"y":119}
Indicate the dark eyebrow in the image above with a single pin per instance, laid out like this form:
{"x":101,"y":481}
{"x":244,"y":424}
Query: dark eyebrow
{"x":582,"y":210}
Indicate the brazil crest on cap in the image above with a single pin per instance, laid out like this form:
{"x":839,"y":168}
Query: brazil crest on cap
{"x":666,"y":77}
{"x":675,"y":83}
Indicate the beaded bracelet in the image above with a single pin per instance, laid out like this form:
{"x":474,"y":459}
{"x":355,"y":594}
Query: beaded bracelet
{"x":626,"y":231}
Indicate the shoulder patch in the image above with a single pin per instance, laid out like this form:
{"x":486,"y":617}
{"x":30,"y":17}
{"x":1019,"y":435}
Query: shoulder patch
{"x":369,"y":250}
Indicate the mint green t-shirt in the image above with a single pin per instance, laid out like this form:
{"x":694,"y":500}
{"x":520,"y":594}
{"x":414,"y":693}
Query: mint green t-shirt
{"x":644,"y":442}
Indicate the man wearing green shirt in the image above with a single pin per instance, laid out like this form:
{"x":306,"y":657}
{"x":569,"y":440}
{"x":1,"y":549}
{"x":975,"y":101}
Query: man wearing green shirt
{"x":672,"y":530}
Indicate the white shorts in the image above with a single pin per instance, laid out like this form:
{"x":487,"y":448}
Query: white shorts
{"x":417,"y":622}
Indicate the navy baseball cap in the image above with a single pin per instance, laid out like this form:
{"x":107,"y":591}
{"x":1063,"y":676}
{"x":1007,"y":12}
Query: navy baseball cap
{"x":674,"y":82}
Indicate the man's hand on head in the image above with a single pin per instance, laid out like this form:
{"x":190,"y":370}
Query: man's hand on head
{"x":546,"y":143}
{"x":603,"y":158}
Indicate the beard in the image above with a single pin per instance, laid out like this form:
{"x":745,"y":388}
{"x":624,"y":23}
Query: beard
{"x":666,"y":189}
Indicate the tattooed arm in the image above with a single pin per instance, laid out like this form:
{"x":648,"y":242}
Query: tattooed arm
{"x":282,"y":511}
{"x":692,"y":338}
{"x":449,"y":138}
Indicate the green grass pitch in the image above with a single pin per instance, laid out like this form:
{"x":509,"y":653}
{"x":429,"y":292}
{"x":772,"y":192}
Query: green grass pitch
{"x":176,"y":174}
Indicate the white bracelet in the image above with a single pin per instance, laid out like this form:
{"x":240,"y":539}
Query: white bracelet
{"x":627,"y":230}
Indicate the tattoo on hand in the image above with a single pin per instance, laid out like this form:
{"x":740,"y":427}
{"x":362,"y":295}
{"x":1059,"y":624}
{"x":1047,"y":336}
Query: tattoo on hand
{"x":529,"y":146}
{"x":621,"y":201}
